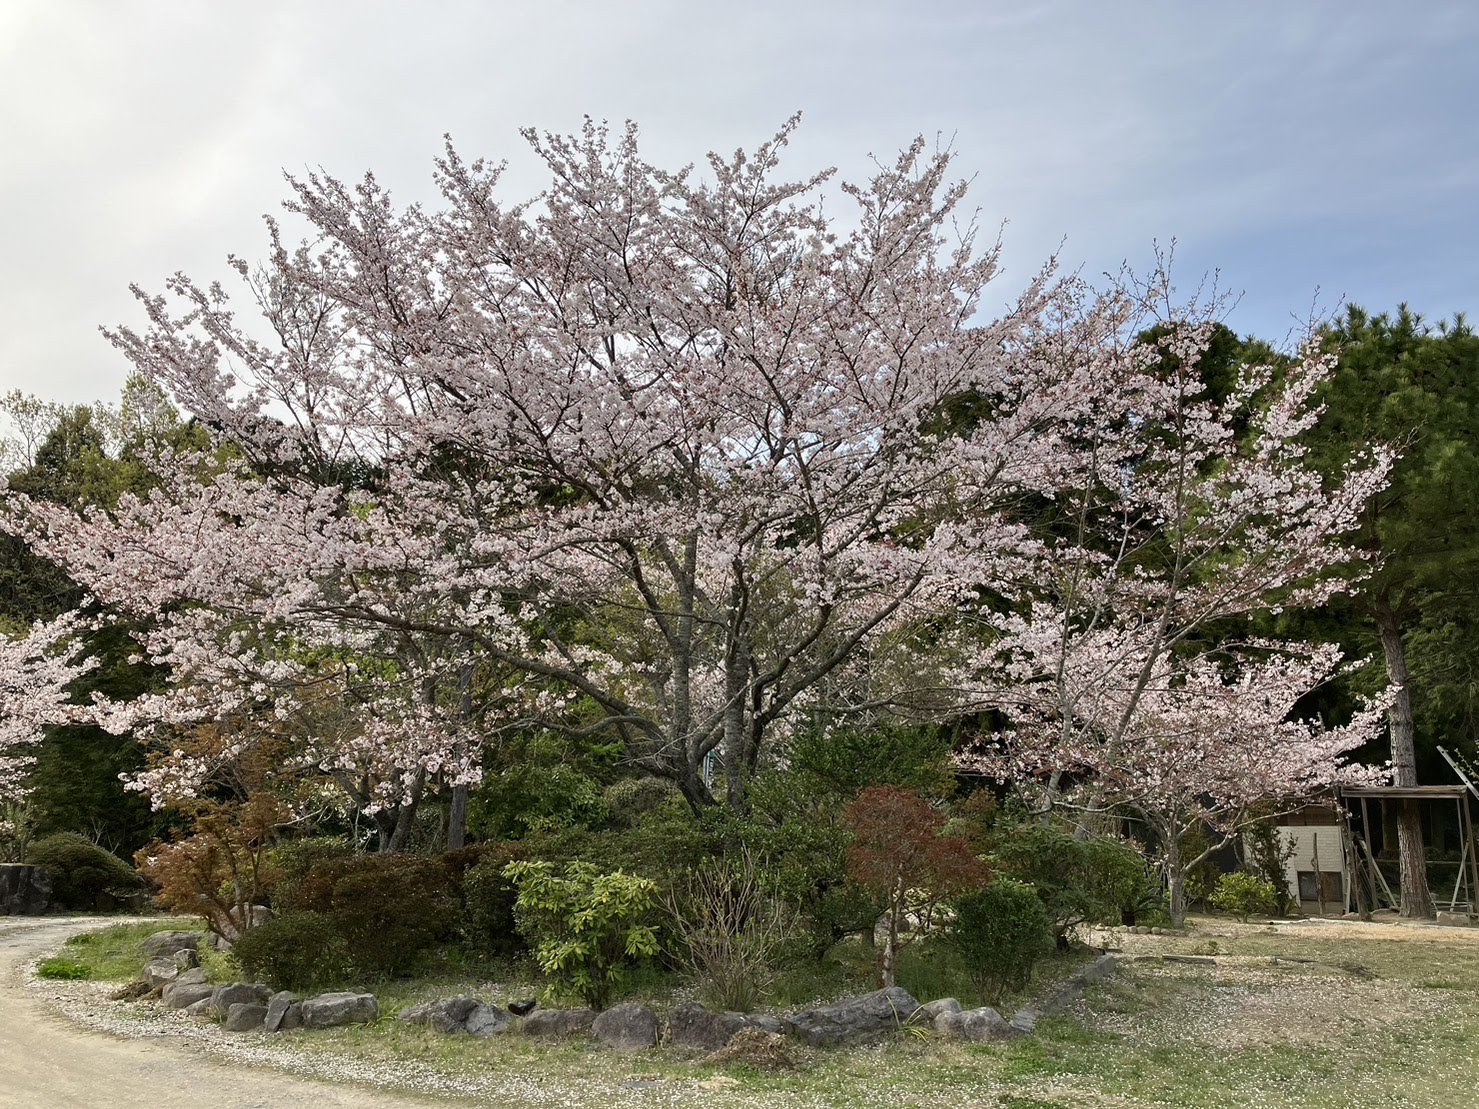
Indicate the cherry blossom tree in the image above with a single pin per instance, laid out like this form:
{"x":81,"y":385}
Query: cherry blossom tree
{"x":36,"y":671}
{"x":671,"y":457}
{"x":1127,"y":675}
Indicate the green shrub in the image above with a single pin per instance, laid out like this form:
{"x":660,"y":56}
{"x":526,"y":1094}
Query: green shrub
{"x":294,"y":951}
{"x":62,"y":968}
{"x":388,"y":909}
{"x":1000,"y":932}
{"x":1080,"y":880}
{"x":1245,"y":894}
{"x":84,"y":875}
{"x":293,"y":859}
{"x":1268,"y":854}
{"x":486,"y":897}
{"x":585,"y":926}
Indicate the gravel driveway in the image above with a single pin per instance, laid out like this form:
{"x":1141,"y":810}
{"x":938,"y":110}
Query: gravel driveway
{"x":48,"y":1063}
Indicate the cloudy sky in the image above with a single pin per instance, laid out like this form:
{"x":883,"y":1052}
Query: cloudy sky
{"x":1311,"y":152}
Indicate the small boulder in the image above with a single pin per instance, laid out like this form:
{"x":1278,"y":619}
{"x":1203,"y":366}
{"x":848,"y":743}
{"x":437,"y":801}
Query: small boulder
{"x":277,"y":1010}
{"x":558,"y":1022}
{"x":931,"y":1011}
{"x":627,"y":1027}
{"x":244,"y":1018}
{"x":167,"y":943}
{"x":333,"y":1010}
{"x":523,"y":1008}
{"x":449,"y":1014}
{"x":1024,"y":1023}
{"x":160,"y":972}
{"x":187,"y":958}
{"x":203,"y":1008}
{"x":855,"y":1018}
{"x":239,"y":993}
{"x":488,"y":1020}
{"x":181,"y":995}
{"x":974,"y":1025}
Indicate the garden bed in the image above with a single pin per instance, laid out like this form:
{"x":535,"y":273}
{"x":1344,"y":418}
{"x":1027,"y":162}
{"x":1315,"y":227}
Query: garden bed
{"x":1380,"y":1014}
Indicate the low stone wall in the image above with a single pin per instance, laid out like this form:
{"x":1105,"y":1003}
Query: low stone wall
{"x":24,"y":890}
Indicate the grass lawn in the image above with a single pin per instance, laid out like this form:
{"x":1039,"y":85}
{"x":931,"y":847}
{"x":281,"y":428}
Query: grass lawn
{"x":1298,"y":1015}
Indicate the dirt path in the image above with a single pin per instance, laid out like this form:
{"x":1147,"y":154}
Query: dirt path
{"x":46,"y":1062}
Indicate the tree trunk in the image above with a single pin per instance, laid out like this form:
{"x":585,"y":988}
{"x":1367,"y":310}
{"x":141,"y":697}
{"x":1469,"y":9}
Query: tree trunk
{"x":457,"y":813}
{"x":457,"y":819}
{"x":1175,"y":882}
{"x":1416,"y":900}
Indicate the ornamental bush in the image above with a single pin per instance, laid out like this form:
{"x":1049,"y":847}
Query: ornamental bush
{"x":486,"y":897}
{"x":388,"y":909}
{"x":1245,"y":894}
{"x":1079,"y":880}
{"x":294,"y":951}
{"x":83,"y":875}
{"x":586,"y":927}
{"x":1001,"y":932}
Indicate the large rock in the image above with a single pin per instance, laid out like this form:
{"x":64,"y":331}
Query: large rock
{"x":856,"y":1018}
{"x":448,"y":1014}
{"x":627,"y":1027}
{"x":558,"y":1022}
{"x":333,"y":1010}
{"x":488,"y":1020}
{"x":694,"y":1026}
{"x":239,"y":993}
{"x":167,"y":943}
{"x":160,"y":972}
{"x":244,"y":1017}
{"x":975,"y":1025}
{"x":181,"y":995}
{"x":24,"y":890}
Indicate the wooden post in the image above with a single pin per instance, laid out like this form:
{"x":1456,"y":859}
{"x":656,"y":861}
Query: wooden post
{"x":1355,"y":891}
{"x":1319,"y":877}
{"x":1471,"y":850}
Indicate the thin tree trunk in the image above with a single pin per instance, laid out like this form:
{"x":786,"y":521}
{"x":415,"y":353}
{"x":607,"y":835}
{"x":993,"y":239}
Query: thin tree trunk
{"x":1417,"y":901}
{"x":1175,"y":881}
{"x":457,"y":819}
{"x":457,"y":813}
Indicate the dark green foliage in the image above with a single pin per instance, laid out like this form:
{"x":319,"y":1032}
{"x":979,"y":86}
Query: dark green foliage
{"x":293,"y":859}
{"x":1402,"y":381}
{"x":1000,"y":932}
{"x":838,"y":763}
{"x":389,"y":909}
{"x":932,"y":968}
{"x":83,"y":875}
{"x":487,"y":897}
{"x":75,"y":783}
{"x":536,"y":783}
{"x":294,"y":951}
{"x":1268,"y":857}
{"x":1079,"y":879}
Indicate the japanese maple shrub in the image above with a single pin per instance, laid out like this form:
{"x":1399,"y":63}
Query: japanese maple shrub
{"x":901,"y":854}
